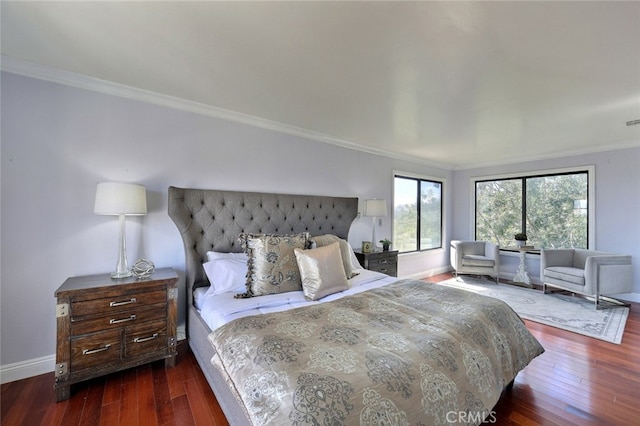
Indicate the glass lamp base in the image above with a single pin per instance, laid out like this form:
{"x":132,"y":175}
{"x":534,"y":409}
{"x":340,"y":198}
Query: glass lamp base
{"x":124,"y":274}
{"x":122,"y":268}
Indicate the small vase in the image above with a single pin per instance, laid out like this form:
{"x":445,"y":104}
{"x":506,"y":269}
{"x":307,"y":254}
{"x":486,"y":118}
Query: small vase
{"x":385,"y":247}
{"x":520,"y":243}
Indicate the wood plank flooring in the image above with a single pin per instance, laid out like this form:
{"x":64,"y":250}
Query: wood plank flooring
{"x":577,"y":381}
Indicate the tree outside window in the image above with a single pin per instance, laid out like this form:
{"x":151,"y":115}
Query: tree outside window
{"x":417,"y":214}
{"x":551,"y":209}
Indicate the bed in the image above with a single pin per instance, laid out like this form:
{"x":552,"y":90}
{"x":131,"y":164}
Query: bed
{"x":376,"y":350}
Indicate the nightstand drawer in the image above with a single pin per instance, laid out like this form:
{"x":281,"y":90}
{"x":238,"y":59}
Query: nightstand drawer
{"x":119,"y":319}
{"x":95,"y":350}
{"x":380,"y":263}
{"x":146,"y":338}
{"x":385,"y":262}
{"x":116,"y":304}
{"x":386,"y":268}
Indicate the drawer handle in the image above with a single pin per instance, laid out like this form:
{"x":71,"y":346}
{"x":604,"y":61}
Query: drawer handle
{"x":384,"y":261}
{"x":126,"y":302}
{"x":117,"y":321}
{"x":383,"y":269}
{"x":145,"y":339}
{"x":94,"y":351}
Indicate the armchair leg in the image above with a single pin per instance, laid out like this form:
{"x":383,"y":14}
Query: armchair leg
{"x":609,"y":302}
{"x":600,"y":301}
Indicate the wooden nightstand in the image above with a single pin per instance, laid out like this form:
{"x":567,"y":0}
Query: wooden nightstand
{"x":106,"y":325}
{"x":379,"y":261}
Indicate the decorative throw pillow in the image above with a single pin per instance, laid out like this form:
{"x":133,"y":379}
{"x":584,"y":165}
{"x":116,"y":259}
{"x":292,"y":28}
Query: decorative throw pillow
{"x":345,"y":250}
{"x":321,"y":271}
{"x":272,"y":266}
{"x":227,"y":272}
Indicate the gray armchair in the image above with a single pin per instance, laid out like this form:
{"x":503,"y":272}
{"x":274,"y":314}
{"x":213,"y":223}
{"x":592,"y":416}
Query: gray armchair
{"x":587,"y":272}
{"x":475,"y":257}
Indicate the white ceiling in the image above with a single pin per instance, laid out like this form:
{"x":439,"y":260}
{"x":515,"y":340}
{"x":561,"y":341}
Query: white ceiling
{"x":447,"y":83}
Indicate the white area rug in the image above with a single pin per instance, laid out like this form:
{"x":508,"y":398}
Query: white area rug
{"x":557,"y":310}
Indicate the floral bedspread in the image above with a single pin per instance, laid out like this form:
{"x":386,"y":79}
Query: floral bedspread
{"x":409,"y":353}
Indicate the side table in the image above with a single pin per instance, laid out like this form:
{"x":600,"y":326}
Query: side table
{"x":521,"y":277}
{"x":379,"y":261}
{"x":106,"y":325}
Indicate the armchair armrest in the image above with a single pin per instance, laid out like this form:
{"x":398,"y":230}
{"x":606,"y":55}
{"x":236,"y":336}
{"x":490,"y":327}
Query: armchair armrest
{"x":492,"y":251}
{"x":608,"y":274}
{"x":456,"y":254}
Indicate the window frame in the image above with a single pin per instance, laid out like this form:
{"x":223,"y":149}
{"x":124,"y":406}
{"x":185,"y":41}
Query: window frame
{"x":419,"y":178}
{"x":591,"y":211}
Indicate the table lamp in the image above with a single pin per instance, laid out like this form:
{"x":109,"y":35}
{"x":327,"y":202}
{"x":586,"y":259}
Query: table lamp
{"x":121,"y":199}
{"x":375,"y":208}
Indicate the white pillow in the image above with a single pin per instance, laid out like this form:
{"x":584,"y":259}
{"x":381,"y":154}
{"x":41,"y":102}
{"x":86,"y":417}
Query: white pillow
{"x":321,"y":271}
{"x":227,"y":272}
{"x":355,"y":263}
{"x":214,"y":255}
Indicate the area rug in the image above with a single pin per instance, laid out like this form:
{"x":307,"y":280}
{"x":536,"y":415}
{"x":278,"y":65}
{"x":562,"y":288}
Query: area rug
{"x":557,"y":310}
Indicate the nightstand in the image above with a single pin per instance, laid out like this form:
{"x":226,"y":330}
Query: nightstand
{"x":379,"y":261}
{"x":106,"y":325}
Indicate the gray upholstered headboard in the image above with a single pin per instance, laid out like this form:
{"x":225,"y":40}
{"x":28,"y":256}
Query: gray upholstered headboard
{"x":211,"y":220}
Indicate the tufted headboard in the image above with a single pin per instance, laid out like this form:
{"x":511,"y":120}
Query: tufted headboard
{"x":211,"y":220}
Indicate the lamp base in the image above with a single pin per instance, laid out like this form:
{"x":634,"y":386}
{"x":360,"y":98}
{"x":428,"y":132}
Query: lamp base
{"x":117,"y":275}
{"x":122,"y":268}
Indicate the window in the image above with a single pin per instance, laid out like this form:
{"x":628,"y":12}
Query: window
{"x":417,"y":214}
{"x":552,"y":209}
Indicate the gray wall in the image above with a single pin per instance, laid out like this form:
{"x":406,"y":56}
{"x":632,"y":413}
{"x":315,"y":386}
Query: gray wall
{"x":58,"y":142}
{"x":617,"y":215}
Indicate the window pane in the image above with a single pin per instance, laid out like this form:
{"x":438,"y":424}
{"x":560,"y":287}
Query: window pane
{"x":430,"y":215}
{"x":417,"y":214}
{"x":557,"y":211}
{"x":498,"y":210}
{"x":405,"y":214}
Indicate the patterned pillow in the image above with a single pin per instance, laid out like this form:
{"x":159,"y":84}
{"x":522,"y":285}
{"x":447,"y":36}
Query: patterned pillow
{"x":321,"y":271}
{"x":272,"y":266}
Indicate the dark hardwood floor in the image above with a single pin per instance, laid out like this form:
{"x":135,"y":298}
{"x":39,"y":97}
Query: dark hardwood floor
{"x":577,"y":381}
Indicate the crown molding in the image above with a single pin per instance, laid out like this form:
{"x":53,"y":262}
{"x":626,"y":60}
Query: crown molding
{"x":586,"y":151}
{"x":41,"y":72}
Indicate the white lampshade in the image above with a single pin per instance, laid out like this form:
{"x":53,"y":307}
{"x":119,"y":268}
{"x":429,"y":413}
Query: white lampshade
{"x":116,"y":198}
{"x":375,"y":208}
{"x":120,"y":199}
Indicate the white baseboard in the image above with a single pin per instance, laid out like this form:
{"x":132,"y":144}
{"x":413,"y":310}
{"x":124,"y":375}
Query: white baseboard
{"x":628,"y":297}
{"x":181,"y":332}
{"x":22,"y":370}
{"x":427,"y":274}
{"x":46,"y":364}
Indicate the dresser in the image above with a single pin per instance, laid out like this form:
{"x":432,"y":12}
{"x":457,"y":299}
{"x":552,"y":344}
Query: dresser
{"x":106,"y":325}
{"x":379,"y":261}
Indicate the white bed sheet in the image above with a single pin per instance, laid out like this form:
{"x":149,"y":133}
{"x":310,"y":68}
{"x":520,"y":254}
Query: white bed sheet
{"x":217,"y":310}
